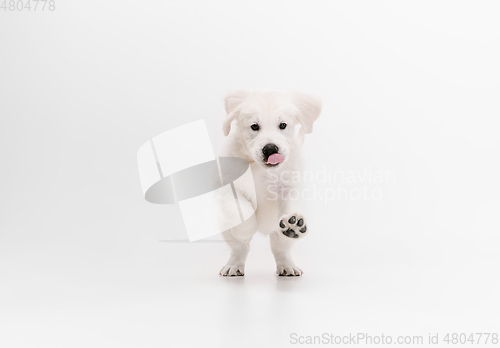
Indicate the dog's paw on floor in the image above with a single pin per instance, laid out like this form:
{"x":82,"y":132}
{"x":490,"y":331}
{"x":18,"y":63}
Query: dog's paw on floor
{"x":232,"y":271}
{"x":293,"y":226}
{"x":288,"y":271}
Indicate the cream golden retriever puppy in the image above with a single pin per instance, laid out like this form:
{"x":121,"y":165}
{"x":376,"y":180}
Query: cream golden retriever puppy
{"x":267,"y":129}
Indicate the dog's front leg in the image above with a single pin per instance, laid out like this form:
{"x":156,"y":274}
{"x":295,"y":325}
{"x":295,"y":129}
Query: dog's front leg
{"x":290,"y":227}
{"x":238,"y":239}
{"x":235,"y":266}
{"x":281,"y":247}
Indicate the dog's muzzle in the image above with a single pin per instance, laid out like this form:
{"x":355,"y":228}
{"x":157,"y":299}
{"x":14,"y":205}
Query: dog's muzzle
{"x":271,"y":155}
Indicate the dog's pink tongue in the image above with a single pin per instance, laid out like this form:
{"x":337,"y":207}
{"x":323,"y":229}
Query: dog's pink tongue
{"x":275,"y":158}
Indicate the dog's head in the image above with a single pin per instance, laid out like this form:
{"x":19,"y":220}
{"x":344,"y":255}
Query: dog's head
{"x":266,"y":121}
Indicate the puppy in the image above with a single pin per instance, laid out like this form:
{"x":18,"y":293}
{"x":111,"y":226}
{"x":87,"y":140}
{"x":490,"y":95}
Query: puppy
{"x":268,"y":130}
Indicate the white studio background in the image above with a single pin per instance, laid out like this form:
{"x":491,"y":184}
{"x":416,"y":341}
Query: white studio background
{"x":408,"y":89}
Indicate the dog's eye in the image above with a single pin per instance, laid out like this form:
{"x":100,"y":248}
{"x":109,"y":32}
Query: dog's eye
{"x":282,"y":125}
{"x":255,"y":127}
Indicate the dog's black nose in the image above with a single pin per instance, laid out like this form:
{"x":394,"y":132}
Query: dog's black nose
{"x":268,"y":150}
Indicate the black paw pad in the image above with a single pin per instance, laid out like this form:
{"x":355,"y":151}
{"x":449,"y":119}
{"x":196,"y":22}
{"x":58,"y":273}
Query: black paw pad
{"x":290,"y":233}
{"x":293,"y":227}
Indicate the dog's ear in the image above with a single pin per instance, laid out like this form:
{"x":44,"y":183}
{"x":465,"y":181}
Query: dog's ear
{"x":232,"y":102}
{"x":309,"y":108}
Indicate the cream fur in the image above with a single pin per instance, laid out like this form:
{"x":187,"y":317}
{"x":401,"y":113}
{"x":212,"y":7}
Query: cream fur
{"x":267,"y":109}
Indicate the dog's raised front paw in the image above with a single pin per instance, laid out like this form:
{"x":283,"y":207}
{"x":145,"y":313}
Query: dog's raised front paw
{"x":293,"y":226}
{"x":232,"y":271}
{"x":289,"y":271}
